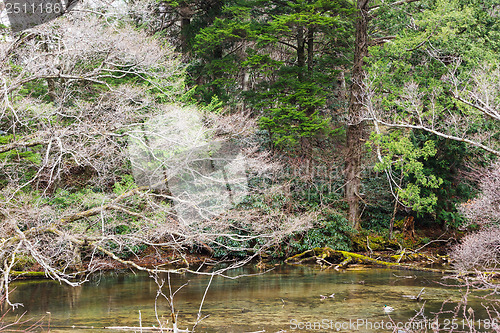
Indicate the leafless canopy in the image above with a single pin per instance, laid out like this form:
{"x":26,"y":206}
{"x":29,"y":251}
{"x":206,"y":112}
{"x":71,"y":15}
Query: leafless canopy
{"x":485,"y":209}
{"x":79,"y":95}
{"x":481,"y":250}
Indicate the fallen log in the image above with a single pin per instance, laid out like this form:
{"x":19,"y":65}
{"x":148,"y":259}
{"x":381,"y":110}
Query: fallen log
{"x":144,"y":329}
{"x":28,"y":274}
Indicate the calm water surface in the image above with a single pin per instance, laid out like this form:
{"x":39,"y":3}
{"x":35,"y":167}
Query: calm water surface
{"x":287,"y":299}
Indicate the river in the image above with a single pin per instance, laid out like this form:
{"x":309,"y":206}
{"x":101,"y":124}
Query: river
{"x":286,"y":299}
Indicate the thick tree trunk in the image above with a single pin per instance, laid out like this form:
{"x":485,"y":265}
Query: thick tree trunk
{"x":355,"y":129}
{"x":186,"y":13}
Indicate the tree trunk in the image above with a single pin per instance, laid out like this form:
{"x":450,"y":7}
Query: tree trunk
{"x":185,"y":23}
{"x":51,"y":89}
{"x":310,"y":62}
{"x":301,"y":55}
{"x":310,"y":50}
{"x":186,"y":14}
{"x":355,"y":128}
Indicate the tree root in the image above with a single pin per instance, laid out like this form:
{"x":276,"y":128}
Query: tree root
{"x":345,"y":258}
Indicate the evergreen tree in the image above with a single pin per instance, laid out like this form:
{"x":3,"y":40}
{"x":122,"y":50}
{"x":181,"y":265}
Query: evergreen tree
{"x":279,"y":58}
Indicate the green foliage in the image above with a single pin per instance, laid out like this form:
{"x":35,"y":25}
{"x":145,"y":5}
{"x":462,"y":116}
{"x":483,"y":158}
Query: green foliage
{"x":415,"y":74}
{"x":215,"y":106}
{"x":287,"y":125}
{"x":402,"y":156}
{"x":126,"y":184}
{"x":85,"y":198}
{"x":416,"y":78}
{"x":4,"y":139}
{"x":17,"y":155}
{"x":227,"y":246}
{"x":291,"y":89}
{"x":36,"y":89}
{"x":380,"y":202}
{"x":23,"y":162}
{"x":447,"y":164}
{"x":30,"y":155}
{"x":314,"y":197}
{"x":294,"y":114}
{"x":331,"y":229}
{"x":125,"y":252}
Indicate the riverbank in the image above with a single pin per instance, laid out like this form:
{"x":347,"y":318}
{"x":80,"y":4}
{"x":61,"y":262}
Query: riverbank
{"x":430,"y":257}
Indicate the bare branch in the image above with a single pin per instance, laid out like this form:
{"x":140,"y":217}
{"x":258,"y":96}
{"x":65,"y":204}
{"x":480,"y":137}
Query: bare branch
{"x":393,"y":4}
{"x":438,"y":133}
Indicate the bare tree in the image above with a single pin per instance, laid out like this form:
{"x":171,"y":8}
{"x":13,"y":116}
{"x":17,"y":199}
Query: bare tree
{"x":481,"y":250}
{"x":99,"y":160}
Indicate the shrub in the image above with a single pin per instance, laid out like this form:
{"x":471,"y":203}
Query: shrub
{"x":485,"y":209}
{"x":480,"y":250}
{"x":331,"y":229}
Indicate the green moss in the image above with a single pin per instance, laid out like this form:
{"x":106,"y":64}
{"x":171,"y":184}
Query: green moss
{"x":399,"y":224}
{"x":23,"y":263}
{"x":328,"y":253}
{"x":28,"y":274}
{"x":376,"y":242}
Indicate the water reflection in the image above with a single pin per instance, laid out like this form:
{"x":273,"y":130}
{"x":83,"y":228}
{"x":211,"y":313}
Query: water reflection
{"x":270,"y":302}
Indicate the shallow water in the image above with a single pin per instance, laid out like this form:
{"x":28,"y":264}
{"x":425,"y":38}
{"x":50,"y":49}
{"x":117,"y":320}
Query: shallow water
{"x":287,"y":298}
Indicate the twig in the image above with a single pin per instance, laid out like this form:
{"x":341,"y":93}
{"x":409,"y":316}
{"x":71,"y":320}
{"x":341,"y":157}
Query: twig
{"x":368,"y":245}
{"x":198,"y":317}
{"x":435,"y":240}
